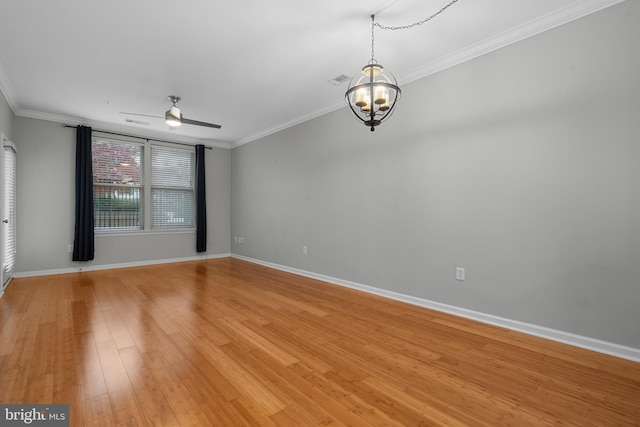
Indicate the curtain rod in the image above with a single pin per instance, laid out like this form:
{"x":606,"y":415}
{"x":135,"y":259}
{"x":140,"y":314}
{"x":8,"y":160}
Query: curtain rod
{"x":139,"y":137}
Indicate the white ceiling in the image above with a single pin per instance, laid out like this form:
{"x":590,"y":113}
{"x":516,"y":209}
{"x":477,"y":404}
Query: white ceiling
{"x":254,"y":67}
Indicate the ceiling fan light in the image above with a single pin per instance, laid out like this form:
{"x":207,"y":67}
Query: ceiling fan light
{"x":173,"y":116}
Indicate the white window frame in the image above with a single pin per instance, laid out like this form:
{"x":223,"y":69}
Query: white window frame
{"x":146,"y":228}
{"x":141,"y":188}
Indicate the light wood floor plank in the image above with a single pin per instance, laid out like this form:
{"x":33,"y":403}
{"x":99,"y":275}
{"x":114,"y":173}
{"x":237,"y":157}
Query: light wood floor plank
{"x":228,"y":343}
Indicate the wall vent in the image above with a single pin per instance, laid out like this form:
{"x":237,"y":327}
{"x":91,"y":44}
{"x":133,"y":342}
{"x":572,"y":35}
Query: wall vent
{"x":137,"y":122}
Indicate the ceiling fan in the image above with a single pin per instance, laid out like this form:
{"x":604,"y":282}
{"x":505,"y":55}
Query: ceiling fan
{"x":173,"y":116}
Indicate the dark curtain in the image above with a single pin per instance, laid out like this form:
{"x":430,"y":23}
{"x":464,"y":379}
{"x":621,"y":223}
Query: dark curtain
{"x":201,"y":202}
{"x":83,"y":242}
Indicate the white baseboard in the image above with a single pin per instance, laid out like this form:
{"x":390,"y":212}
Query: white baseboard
{"x":90,"y":267}
{"x":599,"y":346}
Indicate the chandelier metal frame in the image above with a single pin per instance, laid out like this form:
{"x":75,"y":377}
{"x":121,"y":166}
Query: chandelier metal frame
{"x":373,"y":93}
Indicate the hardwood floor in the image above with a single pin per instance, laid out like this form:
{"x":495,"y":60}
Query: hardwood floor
{"x":225,"y":342}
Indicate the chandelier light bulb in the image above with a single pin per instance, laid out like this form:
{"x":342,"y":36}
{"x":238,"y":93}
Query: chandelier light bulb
{"x":381,"y":96}
{"x":361,"y":97}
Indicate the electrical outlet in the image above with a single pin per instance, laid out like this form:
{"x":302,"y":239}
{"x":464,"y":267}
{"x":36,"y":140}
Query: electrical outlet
{"x":460,"y":274}
{"x":70,"y":248}
{"x":241,"y":239}
{"x":304,"y":250}
{"x":236,"y":239}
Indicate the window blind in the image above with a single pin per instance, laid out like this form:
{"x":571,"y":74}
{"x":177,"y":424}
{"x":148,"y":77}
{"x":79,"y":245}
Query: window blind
{"x":9,"y":210}
{"x":172,"y":187}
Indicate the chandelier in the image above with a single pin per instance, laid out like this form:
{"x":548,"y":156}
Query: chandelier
{"x":374,"y":92}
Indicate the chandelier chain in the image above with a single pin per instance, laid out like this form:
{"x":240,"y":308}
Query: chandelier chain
{"x":406,"y":27}
{"x":373,"y":18}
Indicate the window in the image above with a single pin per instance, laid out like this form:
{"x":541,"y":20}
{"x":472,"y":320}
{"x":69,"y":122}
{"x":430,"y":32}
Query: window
{"x":172,"y":174}
{"x":117,"y":185}
{"x":142,"y":186}
{"x":7,"y":210}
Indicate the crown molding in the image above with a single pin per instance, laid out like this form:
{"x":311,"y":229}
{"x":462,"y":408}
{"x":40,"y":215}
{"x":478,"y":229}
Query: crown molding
{"x":290,"y":123}
{"x":7,"y":91}
{"x":564,"y":15}
{"x":110,"y":127}
{"x":59,"y":118}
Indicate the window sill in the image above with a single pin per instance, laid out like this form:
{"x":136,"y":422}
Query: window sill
{"x":113,"y":233}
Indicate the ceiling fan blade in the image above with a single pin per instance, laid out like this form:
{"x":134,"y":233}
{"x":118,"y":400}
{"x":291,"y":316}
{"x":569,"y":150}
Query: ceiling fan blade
{"x":143,"y":115}
{"x":197,"y":123}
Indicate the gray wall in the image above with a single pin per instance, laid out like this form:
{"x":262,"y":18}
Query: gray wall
{"x":520,"y":165}
{"x":46,"y":163}
{"x":6,"y":117}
